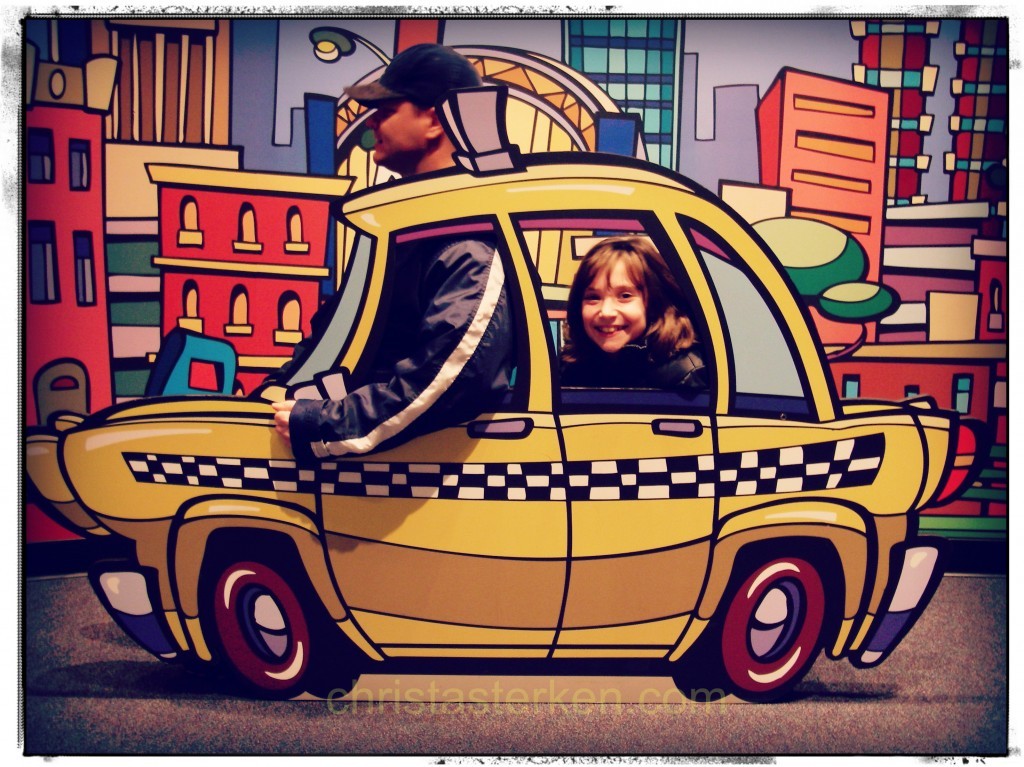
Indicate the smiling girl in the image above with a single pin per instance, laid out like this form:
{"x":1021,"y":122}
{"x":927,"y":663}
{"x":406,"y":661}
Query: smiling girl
{"x":624,"y":324}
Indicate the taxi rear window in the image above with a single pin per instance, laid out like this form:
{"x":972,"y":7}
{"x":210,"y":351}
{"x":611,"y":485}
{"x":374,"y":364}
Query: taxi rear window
{"x":768,"y":376}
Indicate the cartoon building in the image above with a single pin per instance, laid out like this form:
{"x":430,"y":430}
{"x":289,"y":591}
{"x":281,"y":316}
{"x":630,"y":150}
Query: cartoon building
{"x":244,"y":257}
{"x":637,"y":62}
{"x":894,"y":55}
{"x":927,"y":258}
{"x":977,"y":162}
{"x":67,"y":342}
{"x":825,"y":141}
{"x":170,"y":105}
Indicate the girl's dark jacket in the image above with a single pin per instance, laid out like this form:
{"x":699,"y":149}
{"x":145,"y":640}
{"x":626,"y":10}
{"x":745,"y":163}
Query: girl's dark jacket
{"x":634,"y":367}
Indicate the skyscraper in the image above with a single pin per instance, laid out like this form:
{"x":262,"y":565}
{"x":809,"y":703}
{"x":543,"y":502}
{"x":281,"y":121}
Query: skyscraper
{"x":637,"y":61}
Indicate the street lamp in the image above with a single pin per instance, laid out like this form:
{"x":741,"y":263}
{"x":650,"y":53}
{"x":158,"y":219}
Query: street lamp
{"x":331,"y":43}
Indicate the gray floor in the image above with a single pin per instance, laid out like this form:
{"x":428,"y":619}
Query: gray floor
{"x":90,"y":690}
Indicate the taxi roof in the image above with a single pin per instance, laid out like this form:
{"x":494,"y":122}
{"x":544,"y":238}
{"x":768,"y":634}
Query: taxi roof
{"x":542,"y":167}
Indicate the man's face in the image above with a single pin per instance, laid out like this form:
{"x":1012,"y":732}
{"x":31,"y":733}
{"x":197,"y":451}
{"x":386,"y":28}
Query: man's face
{"x":401,"y":132}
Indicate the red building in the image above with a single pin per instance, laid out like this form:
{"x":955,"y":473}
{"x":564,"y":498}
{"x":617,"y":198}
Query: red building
{"x":825,"y":140}
{"x":244,"y":257}
{"x":990,"y":256}
{"x":969,"y":378}
{"x":977,"y":164}
{"x":67,"y":331}
{"x":895,"y":55}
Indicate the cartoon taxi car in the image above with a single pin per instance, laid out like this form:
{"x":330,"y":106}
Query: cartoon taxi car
{"x":745,"y":528}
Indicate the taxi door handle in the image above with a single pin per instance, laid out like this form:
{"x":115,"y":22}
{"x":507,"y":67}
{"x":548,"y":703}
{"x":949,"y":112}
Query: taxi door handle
{"x":509,"y":428}
{"x":677,"y":427}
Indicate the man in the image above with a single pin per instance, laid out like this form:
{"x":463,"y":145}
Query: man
{"x":446,"y":353}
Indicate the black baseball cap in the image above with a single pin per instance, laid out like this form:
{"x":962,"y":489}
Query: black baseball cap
{"x":421,"y":74}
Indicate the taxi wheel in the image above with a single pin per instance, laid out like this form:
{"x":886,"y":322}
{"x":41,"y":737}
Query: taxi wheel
{"x":772,"y":628}
{"x":264,"y":632}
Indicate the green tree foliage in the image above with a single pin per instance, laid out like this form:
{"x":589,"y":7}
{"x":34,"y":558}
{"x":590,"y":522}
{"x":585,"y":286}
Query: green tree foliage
{"x":827,"y":267}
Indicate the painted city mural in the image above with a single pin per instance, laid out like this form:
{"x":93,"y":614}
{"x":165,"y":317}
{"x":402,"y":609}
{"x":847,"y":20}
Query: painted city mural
{"x":180,"y":174}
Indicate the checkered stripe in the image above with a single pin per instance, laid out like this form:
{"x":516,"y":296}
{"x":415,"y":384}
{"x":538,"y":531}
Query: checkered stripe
{"x":824,"y":466}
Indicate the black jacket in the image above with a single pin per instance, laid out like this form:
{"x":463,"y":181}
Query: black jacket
{"x":445,"y":355}
{"x":633,"y":367}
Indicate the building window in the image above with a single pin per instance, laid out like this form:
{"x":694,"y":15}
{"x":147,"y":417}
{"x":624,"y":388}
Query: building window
{"x":996,"y":318}
{"x":247,"y":241}
{"x":295,"y":243}
{"x":190,"y":319}
{"x":85,"y":271}
{"x":289,"y":313}
{"x":44,"y":282}
{"x":189,"y":234}
{"x":40,"y":156}
{"x":851,"y":387}
{"x":78,"y":164}
{"x":239,"y":325}
{"x":962,"y":387}
{"x":163,"y":65}
{"x":635,"y":62}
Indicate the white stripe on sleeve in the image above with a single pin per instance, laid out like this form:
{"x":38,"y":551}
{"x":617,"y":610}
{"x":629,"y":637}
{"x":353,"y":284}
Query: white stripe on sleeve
{"x":445,"y":377}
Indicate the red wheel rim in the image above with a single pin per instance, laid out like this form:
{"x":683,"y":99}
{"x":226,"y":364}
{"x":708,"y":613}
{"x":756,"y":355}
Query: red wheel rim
{"x":771,"y":630}
{"x":261,"y":626}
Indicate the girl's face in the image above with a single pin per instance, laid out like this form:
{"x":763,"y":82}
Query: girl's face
{"x":614,"y":309}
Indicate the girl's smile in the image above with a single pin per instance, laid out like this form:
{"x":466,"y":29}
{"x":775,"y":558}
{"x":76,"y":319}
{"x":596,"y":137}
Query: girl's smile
{"x":614,"y":310}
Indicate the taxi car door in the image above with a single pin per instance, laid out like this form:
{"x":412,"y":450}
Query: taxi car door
{"x":641,"y":495}
{"x":457,"y":542}
{"x":637,"y":469}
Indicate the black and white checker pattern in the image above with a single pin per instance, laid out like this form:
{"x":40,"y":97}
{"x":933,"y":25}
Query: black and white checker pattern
{"x":823,"y":466}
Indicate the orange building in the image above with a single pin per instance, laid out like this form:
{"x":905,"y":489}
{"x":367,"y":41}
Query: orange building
{"x":825,"y":140}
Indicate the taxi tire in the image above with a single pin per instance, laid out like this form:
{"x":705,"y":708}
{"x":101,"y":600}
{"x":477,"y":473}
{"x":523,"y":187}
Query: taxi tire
{"x":772,"y":628}
{"x":265,"y":631}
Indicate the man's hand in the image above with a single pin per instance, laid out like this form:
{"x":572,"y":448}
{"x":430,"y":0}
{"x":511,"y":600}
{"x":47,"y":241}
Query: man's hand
{"x":282,"y":412}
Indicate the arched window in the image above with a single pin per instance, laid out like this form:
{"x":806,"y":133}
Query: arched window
{"x":996,"y":317}
{"x":190,"y":319}
{"x":189,"y":214}
{"x":289,"y":322}
{"x":247,"y":224}
{"x":291,"y":312}
{"x":239,"y":306}
{"x":294,"y":225}
{"x":189,"y":233}
{"x":61,"y":385}
{"x":190,"y":299}
{"x":295,"y":243}
{"x":247,"y":230}
{"x":239,"y":324}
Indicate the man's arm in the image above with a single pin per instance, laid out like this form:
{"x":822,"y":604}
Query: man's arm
{"x":461,"y":365}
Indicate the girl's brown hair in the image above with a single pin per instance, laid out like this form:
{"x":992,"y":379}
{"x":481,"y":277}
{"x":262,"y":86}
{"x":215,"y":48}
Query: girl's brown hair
{"x":668,"y":328}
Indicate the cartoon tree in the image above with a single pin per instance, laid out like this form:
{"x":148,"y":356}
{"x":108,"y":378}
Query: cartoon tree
{"x":827,"y":267}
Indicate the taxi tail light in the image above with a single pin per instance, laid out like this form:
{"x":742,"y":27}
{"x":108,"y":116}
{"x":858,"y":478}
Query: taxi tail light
{"x":969,"y":447}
